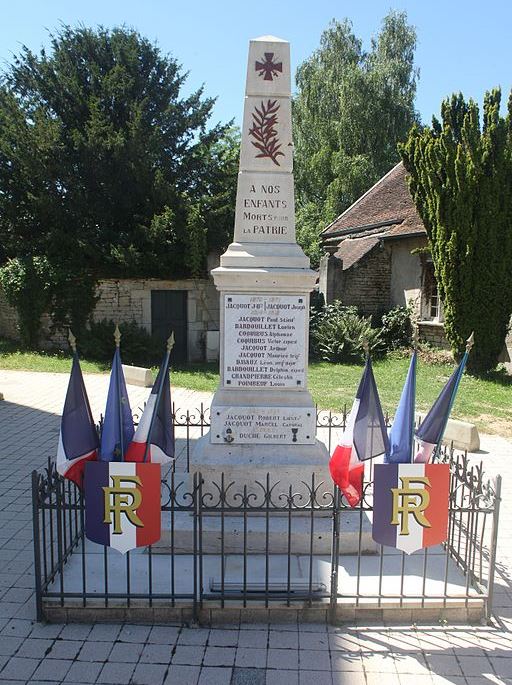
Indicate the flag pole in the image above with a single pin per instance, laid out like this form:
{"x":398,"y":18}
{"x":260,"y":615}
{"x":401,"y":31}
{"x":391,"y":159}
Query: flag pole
{"x":165,"y":368}
{"x":117,"y":339}
{"x":415,"y":352}
{"x":469,"y":344}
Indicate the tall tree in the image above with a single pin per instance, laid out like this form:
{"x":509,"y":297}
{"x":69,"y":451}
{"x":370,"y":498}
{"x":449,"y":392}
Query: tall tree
{"x":461,"y":181}
{"x":106,"y":169}
{"x":351,"y":109}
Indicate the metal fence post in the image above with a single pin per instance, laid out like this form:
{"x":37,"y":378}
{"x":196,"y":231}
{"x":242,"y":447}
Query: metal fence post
{"x":335,"y":552}
{"x":37,"y":545}
{"x":492,"y":551}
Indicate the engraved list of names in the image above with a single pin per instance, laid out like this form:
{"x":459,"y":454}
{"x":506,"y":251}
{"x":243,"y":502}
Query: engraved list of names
{"x":264,"y":341}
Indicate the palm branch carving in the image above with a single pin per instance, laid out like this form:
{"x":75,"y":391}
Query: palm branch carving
{"x":264,"y":120}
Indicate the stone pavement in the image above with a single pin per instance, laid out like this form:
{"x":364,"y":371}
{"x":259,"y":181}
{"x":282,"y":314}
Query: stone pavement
{"x":232,"y":655}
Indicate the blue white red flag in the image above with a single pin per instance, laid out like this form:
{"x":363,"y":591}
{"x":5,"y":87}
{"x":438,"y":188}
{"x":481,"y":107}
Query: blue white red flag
{"x":431,"y":431}
{"x":365,"y":437}
{"x":401,"y":435}
{"x":78,"y":440}
{"x":118,"y":423}
{"x":410,"y":505}
{"x":154,"y":438}
{"x":122,"y":507}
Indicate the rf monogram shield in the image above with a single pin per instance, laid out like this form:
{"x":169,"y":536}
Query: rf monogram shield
{"x":122,"y":504}
{"x":410,"y":505}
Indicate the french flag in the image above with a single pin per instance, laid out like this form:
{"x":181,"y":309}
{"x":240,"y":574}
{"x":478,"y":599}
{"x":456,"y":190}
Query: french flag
{"x":78,"y":440}
{"x":431,"y":431}
{"x":401,"y":435}
{"x":365,"y":437}
{"x":154,"y":438}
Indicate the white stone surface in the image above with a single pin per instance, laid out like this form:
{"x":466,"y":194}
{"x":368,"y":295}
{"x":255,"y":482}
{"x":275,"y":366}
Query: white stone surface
{"x":265,"y":208}
{"x":463,"y":434}
{"x":138,"y":375}
{"x":266,"y":134}
{"x":270,"y":425}
{"x":264,"y":341}
{"x":268,"y":67}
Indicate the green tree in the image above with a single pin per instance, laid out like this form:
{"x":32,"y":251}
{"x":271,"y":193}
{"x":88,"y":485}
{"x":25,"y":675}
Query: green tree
{"x":461,"y":181}
{"x":351,"y":109}
{"x":106,"y":169}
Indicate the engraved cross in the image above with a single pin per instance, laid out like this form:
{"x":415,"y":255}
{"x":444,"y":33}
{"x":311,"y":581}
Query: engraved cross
{"x":268,"y":68}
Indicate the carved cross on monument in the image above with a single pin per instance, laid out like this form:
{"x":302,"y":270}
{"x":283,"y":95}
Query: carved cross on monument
{"x":268,"y":67}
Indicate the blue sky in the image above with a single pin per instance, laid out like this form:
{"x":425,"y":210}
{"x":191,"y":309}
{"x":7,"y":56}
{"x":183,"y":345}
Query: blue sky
{"x":462,"y":44}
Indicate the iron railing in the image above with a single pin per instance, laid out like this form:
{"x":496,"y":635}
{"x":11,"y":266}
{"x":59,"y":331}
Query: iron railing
{"x":261,"y":544}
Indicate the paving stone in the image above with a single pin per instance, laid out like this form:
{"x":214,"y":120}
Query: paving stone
{"x":378,"y":663}
{"x":18,"y":628}
{"x":443,"y":664}
{"x":52,"y":669}
{"x":316,"y":677}
{"x":35,"y":649}
{"x":46,"y":630}
{"x":137,"y":634}
{"x":125,"y":653}
{"x":280,"y":677}
{"x":215,"y":676}
{"x":19,"y":668}
{"x":314,"y":660}
{"x":163,"y":635}
{"x":283,"y":639}
{"x":83,"y":672}
{"x":117,"y":674}
{"x":156,"y":654}
{"x":95,"y":651}
{"x":253,"y":638}
{"x":65,"y":649}
{"x":283,"y":659}
{"x":104,"y":632}
{"x":223,"y":638}
{"x":188,"y":656}
{"x":248,"y":676}
{"x":350,"y":678}
{"x":251,"y":658}
{"x":9,"y":645}
{"x":149,"y":674}
{"x":75,"y":631}
{"x":346,"y":661}
{"x":182,"y":675}
{"x":311,"y":640}
{"x":474,"y":665}
{"x":194,"y":636}
{"x":219,"y":656}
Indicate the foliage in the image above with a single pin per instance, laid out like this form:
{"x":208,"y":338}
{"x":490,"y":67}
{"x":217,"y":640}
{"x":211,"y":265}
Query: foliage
{"x":138,"y":347}
{"x":27,"y":283}
{"x":339,"y":334}
{"x":106,"y":168}
{"x":351,"y":109}
{"x":397,"y":327}
{"x":461,"y":182}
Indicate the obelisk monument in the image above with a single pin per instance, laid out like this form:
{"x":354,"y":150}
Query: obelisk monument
{"x":262,"y":416}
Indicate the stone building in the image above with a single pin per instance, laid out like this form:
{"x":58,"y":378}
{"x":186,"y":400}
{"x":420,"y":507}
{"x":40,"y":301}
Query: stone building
{"x":189,"y":307}
{"x":376,"y":257}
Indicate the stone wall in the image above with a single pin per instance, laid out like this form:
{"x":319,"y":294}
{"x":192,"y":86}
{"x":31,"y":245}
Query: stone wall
{"x":126,"y":300}
{"x":367,"y":284}
{"x":433,"y":332}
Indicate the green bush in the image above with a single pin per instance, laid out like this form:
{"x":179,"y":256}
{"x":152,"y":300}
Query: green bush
{"x":138,"y":347}
{"x":397,"y":328}
{"x":339,"y":334}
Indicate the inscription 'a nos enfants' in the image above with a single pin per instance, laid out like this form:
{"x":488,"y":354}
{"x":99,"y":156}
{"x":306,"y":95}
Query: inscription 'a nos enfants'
{"x":264,"y":203}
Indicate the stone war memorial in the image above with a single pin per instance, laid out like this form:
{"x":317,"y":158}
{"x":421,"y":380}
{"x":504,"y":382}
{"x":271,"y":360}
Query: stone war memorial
{"x":263,"y":419}
{"x":229,"y":513}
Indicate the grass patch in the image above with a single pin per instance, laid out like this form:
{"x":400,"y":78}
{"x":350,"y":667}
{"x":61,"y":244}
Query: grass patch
{"x":487,"y":402}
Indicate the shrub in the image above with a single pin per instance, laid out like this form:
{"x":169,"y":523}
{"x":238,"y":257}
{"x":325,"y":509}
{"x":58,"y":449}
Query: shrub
{"x":339,"y":334}
{"x":27,"y":283}
{"x":138,"y":347}
{"x":397,"y":328}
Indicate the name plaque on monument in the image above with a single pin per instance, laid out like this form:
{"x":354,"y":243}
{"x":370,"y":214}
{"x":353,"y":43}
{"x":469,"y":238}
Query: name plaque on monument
{"x":272,"y":425}
{"x":264,"y":341}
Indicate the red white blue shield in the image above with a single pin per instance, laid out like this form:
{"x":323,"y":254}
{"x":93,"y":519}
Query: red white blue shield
{"x":122,"y":504}
{"x":410,"y":505}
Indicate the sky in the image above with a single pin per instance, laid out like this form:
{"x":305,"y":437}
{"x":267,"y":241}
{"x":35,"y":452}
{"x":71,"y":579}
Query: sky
{"x":463,"y":45}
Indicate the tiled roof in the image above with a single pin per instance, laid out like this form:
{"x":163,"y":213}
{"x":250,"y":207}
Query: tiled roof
{"x":387,"y":209}
{"x":351,"y":251}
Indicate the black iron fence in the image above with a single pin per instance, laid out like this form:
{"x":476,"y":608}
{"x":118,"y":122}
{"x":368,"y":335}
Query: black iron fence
{"x":261,"y":545}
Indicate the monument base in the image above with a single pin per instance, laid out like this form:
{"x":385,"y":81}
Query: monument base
{"x":286,"y":466}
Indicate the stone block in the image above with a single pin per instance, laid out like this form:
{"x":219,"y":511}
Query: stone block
{"x":138,"y":375}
